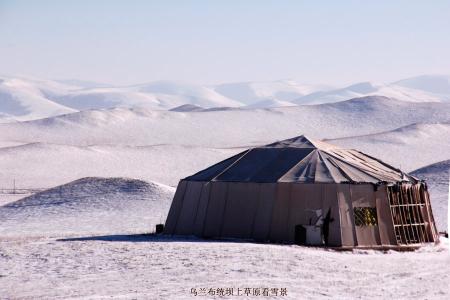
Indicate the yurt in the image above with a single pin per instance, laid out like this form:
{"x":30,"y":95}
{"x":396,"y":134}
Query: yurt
{"x":307,"y":192}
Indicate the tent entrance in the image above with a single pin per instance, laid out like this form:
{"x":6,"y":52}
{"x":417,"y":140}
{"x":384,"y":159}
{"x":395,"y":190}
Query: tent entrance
{"x":411,"y":214}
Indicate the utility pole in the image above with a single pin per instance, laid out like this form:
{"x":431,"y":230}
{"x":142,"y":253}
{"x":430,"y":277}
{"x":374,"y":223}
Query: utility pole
{"x":14,"y":186}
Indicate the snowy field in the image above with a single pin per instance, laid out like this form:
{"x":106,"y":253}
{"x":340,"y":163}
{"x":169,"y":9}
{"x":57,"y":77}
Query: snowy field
{"x":108,"y":159}
{"x":140,"y":267}
{"x":87,"y":239}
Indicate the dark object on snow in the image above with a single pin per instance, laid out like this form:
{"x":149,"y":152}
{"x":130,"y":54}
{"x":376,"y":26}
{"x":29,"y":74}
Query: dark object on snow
{"x":159,"y":228}
{"x":300,"y":235}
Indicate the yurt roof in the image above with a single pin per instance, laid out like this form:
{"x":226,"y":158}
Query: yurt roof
{"x":301,"y":159}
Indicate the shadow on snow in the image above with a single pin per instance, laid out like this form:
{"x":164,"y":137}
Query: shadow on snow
{"x":147,"y":238}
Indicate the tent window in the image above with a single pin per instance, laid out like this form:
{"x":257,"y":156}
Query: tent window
{"x":365,"y":216}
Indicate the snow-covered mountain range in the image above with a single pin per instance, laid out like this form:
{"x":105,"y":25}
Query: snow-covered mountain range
{"x":106,"y":160}
{"x":54,"y":132}
{"x":30,"y":98}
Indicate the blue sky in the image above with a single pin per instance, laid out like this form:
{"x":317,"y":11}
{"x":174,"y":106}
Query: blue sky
{"x":124,"y":42}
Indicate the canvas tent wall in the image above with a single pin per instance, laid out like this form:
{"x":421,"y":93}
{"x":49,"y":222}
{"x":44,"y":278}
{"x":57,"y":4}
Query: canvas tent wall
{"x":303,"y":191}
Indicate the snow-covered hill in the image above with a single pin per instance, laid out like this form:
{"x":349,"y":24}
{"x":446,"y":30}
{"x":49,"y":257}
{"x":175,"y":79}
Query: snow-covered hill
{"x":436,"y":84}
{"x":437,"y":176}
{"x":409,"y":147}
{"x":187,"y":108}
{"x":185,"y":93}
{"x":43,"y":165}
{"x":104,"y":98}
{"x":21,"y":100}
{"x":225,"y":128}
{"x":31,"y":98}
{"x":159,"y":95}
{"x":401,"y":92}
{"x":165,"y":146}
{"x":269,"y":103}
{"x":88,"y":206}
{"x":253,"y":92}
